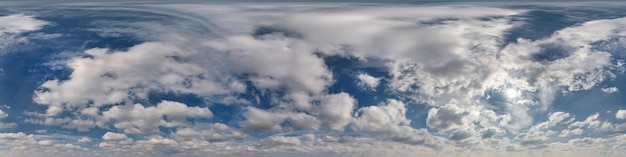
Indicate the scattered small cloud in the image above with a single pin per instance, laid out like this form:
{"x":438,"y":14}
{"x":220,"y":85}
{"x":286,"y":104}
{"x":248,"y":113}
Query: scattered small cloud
{"x":610,"y":90}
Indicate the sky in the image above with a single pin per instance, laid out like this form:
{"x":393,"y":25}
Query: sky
{"x":312,"y":79}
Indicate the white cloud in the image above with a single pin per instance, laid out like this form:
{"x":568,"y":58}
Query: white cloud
{"x":156,"y":145}
{"x":258,"y":120}
{"x":21,"y":144}
{"x":178,"y":112}
{"x":111,"y":136}
{"x":3,"y":115}
{"x":620,"y":114}
{"x":132,"y":74}
{"x":276,"y":63}
{"x":610,"y":90}
{"x":19,"y":23}
{"x":274,"y":141}
{"x":446,"y":117}
{"x":212,"y":132}
{"x":333,"y":111}
{"x":368,"y":81}
{"x":590,"y":122}
{"x":12,"y":136}
{"x":84,"y":139}
{"x":558,"y":117}
{"x":567,"y":132}
{"x":462,"y":68}
{"x":133,"y":118}
{"x":388,"y":121}
{"x":336,"y":110}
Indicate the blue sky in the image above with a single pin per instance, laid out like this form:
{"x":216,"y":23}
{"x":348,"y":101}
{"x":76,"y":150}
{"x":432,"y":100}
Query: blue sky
{"x":312,"y":79}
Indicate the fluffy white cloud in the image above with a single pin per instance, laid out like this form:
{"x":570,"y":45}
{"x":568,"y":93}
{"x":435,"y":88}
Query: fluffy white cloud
{"x":333,"y":111}
{"x":276,"y":62}
{"x":258,"y":120}
{"x":620,"y":114}
{"x":212,"y":132}
{"x":133,"y":118}
{"x":589,"y":122}
{"x":19,"y":23}
{"x":368,"y":81}
{"x":336,"y":110}
{"x":388,"y":121}
{"x":3,"y":115}
{"x":610,"y":90}
{"x":452,"y":64}
{"x":123,"y":76}
{"x":567,"y":132}
{"x":446,"y":117}
{"x":84,"y":139}
{"x":156,"y":145}
{"x":576,"y":42}
{"x":20,"y":144}
{"x":111,"y":136}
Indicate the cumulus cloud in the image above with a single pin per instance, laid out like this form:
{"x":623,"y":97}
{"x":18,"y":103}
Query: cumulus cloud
{"x":620,"y":114}
{"x":3,"y":115}
{"x":610,"y":90}
{"x":566,"y":132}
{"x":84,"y":139}
{"x":590,"y":122}
{"x":132,"y":118}
{"x":368,"y":81}
{"x":212,"y":132}
{"x":445,"y":118}
{"x":20,"y":23}
{"x":20,"y":143}
{"x":6,"y":125}
{"x":335,"y":110}
{"x":111,"y":136}
{"x":129,"y":75}
{"x":388,"y":121}
{"x":258,"y":120}
{"x":121,"y":145}
{"x":276,"y":63}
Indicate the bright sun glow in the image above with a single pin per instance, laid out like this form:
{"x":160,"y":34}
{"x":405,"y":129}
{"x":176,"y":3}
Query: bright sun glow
{"x":511,"y":93}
